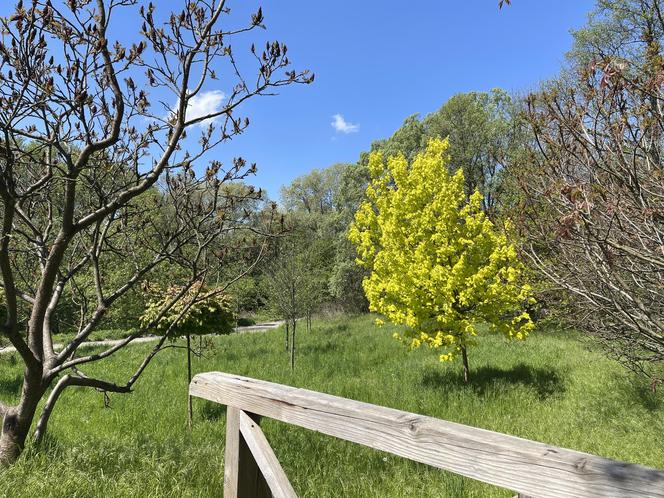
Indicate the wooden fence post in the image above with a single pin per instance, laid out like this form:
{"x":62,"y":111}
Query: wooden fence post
{"x":242,"y":476}
{"x":232,"y":454}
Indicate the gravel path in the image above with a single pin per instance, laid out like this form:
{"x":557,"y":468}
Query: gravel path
{"x":259,"y":327}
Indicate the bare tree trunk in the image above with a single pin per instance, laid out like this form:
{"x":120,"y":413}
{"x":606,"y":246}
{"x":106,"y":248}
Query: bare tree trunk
{"x":11,"y":439}
{"x":292,"y":348}
{"x":466,"y":369}
{"x":190,"y":411}
{"x":17,"y":420}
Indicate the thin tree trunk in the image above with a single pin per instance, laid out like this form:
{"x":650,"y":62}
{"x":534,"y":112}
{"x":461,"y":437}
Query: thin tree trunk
{"x":42,"y":424}
{"x":466,"y":369}
{"x":287,"y":336}
{"x":292,"y":348}
{"x":190,"y":411}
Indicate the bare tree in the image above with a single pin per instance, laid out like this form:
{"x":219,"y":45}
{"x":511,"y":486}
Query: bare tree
{"x":594,"y":203}
{"x":92,"y":169}
{"x":286,"y":286}
{"x":297,"y":279}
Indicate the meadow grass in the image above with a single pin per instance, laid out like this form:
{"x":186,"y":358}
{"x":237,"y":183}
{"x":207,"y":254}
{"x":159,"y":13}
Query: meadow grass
{"x":552,"y":388}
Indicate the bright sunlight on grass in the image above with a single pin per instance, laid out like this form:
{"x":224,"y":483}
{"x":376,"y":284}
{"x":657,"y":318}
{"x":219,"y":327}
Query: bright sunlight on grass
{"x":550,"y":388}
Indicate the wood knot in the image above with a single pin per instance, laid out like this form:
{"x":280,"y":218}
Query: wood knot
{"x":413,"y":425}
{"x":581,"y":464}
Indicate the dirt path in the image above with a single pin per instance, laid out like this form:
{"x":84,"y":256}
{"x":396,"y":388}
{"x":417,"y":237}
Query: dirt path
{"x":259,"y":327}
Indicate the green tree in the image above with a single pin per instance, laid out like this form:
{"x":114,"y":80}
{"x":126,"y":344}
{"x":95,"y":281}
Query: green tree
{"x":438,"y":265}
{"x":197,"y":311}
{"x":321,"y":205}
{"x":620,"y":29}
{"x":485,"y":132}
{"x":315,"y":192}
{"x":298,"y":275}
{"x":346,"y":277}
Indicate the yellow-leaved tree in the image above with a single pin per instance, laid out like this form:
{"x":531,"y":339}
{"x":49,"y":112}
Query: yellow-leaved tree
{"x":438,"y":265}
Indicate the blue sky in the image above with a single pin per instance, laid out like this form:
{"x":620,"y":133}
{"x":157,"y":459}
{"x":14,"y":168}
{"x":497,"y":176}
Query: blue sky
{"x":377,"y":62}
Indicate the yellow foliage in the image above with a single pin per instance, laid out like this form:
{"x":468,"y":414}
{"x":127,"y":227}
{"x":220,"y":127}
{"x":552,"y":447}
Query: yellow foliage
{"x":438,"y":264}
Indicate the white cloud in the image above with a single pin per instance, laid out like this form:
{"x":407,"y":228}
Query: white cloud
{"x":203,"y":104}
{"x":343,"y":126}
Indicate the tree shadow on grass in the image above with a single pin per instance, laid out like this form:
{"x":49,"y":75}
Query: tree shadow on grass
{"x":319,"y":348}
{"x":50,"y":444}
{"x":227,"y":354}
{"x":11,"y":385}
{"x":212,"y":412}
{"x":546,"y":382}
{"x":636,"y":388}
{"x":230,"y":354}
{"x":257,"y":351}
{"x":340,"y":328}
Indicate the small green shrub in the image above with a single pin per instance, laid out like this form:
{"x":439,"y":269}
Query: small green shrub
{"x":199,"y":311}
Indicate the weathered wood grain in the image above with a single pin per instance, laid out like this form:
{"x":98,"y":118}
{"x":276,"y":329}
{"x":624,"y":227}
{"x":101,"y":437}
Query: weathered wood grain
{"x":528,"y":467}
{"x":232,"y":453}
{"x":242,"y":476}
{"x":267,"y":461}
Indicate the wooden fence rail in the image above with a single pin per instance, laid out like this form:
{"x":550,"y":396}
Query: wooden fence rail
{"x":527,"y":467}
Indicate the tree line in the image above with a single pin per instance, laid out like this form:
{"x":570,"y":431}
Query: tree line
{"x":574,"y":169}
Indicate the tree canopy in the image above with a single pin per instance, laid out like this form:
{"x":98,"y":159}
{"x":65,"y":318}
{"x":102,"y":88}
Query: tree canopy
{"x":438,"y":264}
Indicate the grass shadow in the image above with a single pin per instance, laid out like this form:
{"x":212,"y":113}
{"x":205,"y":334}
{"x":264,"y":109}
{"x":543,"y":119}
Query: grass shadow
{"x":228,"y":354}
{"x":212,"y":412}
{"x":11,"y":385}
{"x":546,"y":382}
{"x":319,"y":348}
{"x":49,"y":445}
{"x":639,"y":390}
{"x":249,"y":353}
{"x":339,"y":328}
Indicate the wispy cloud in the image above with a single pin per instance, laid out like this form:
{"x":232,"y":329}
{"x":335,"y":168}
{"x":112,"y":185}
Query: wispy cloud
{"x":203,"y":104}
{"x":343,"y":126}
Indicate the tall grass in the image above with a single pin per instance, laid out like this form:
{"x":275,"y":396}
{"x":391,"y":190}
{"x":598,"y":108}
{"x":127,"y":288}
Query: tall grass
{"x":551,"y":388}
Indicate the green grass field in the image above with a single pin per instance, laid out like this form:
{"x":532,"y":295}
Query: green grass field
{"x":551,"y":388}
